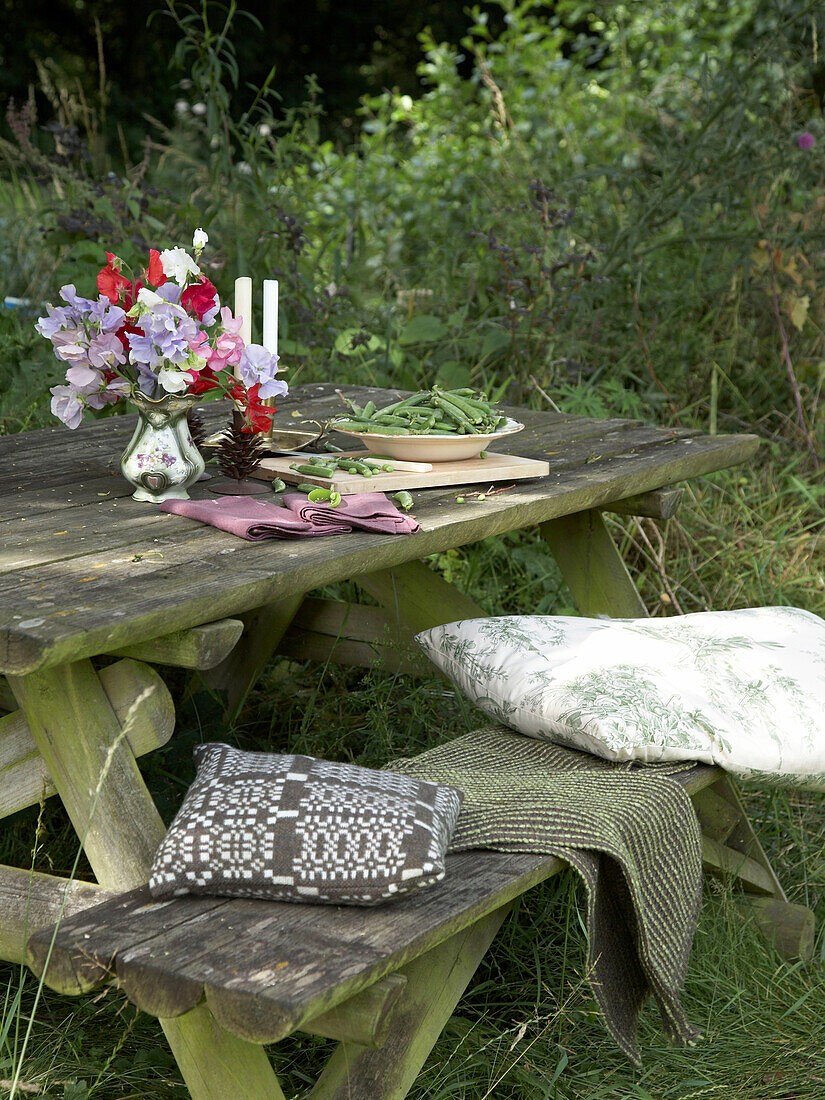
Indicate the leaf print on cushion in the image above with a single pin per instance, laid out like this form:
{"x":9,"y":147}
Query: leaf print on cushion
{"x":742,"y":689}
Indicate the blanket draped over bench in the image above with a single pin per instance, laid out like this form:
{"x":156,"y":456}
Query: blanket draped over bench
{"x":630,"y":832}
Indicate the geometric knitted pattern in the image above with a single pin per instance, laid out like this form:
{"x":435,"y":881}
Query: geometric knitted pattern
{"x":265,"y":825}
{"x":629,"y":830}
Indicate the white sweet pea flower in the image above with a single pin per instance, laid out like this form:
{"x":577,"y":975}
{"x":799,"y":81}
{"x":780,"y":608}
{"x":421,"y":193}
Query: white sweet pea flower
{"x":178,"y":264}
{"x":199,"y":240}
{"x":149,"y":298}
{"x":173,"y":381}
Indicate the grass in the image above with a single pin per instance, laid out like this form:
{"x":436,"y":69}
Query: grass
{"x":527,"y":1028}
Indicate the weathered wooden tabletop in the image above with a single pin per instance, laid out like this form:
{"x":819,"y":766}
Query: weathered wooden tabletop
{"x":85,"y":569}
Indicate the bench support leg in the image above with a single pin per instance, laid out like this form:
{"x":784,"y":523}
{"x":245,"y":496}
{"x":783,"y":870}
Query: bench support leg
{"x":93,"y":769}
{"x":435,"y":983}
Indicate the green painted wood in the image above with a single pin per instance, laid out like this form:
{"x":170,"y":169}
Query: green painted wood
{"x":94,"y":771}
{"x":592,"y":566}
{"x":416,"y":598}
{"x":716,"y":815}
{"x":742,"y":837}
{"x":790,"y":928}
{"x":660,"y":504}
{"x":215,"y":1064}
{"x":144,"y":710}
{"x":200,"y":647}
{"x":263,"y":628}
{"x":727,"y":861}
{"x":349,"y":634}
{"x":435,"y":983}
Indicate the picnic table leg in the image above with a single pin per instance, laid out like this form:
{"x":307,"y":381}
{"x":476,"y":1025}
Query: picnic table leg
{"x":601,"y":585}
{"x":592,"y":566}
{"x":95,"y":774}
{"x":264,"y":627}
{"x":435,"y":983}
{"x":417,"y":598}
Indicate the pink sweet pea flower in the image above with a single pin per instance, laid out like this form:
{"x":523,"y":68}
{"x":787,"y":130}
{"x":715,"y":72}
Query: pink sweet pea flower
{"x":229,"y":345}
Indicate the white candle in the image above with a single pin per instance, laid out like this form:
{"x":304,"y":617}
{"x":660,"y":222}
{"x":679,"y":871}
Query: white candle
{"x":243,"y":306}
{"x":270,"y":340}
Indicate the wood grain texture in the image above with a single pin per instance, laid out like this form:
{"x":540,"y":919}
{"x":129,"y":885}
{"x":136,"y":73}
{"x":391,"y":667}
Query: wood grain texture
{"x":493,"y":468}
{"x":263,"y":629}
{"x":94,"y":770}
{"x":30,"y":901}
{"x":92,"y":602}
{"x":296,"y":960}
{"x":416,"y":598}
{"x":199,"y":647}
{"x":144,"y":711}
{"x":349,"y":634}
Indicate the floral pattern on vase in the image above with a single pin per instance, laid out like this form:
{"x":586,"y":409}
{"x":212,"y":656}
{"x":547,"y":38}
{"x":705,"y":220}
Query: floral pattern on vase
{"x":741,"y":689}
{"x":161,"y":460}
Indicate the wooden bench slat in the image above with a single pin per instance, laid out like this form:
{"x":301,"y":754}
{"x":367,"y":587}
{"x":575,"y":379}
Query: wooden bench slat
{"x":296,"y":960}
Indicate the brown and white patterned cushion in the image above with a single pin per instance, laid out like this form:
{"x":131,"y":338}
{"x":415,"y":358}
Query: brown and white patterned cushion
{"x":281,"y":827}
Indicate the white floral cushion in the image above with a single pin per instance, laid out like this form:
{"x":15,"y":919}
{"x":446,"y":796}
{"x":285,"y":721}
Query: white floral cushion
{"x":741,"y":689}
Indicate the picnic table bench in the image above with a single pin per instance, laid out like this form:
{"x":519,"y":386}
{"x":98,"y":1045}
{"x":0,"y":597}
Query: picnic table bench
{"x":95,"y":589}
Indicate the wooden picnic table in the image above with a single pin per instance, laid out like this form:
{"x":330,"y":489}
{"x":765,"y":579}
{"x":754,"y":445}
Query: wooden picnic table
{"x":86,"y":572}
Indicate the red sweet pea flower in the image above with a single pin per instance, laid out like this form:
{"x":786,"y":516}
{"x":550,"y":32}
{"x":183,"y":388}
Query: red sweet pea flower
{"x":199,"y":297}
{"x":257,"y":415}
{"x":202,"y":380}
{"x":110,"y":282}
{"x":154,"y":272}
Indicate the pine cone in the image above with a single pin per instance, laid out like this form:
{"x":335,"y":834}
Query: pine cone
{"x":239,"y":452}
{"x":197,"y":428}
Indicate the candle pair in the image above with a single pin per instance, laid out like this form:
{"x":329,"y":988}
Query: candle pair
{"x":243,"y":309}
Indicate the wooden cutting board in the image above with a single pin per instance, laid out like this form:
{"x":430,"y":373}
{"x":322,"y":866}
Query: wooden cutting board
{"x":495,"y":467}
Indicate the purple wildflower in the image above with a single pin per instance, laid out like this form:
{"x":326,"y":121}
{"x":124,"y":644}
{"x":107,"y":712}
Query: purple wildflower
{"x":67,"y":405}
{"x":805,"y":140}
{"x":259,"y":366}
{"x":167,"y":331}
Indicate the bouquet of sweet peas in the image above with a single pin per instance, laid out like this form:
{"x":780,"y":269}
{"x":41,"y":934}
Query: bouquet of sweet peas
{"x":164,"y":332}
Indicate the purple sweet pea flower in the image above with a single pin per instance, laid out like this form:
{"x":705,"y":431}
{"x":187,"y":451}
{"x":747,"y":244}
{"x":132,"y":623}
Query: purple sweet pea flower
{"x":170,"y":292}
{"x":805,"y":140}
{"x":71,"y":345}
{"x":106,"y":350}
{"x":167,"y":332}
{"x":67,"y":405}
{"x":260,"y":366}
{"x":56,"y":319}
{"x":84,"y":379}
{"x":69,"y":294}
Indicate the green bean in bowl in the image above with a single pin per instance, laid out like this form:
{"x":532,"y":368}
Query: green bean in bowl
{"x":434,"y":425}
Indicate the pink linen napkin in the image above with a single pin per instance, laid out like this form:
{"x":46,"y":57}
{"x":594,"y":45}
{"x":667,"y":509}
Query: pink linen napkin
{"x":254,"y":519}
{"x":363,"y":511}
{"x":246,"y":517}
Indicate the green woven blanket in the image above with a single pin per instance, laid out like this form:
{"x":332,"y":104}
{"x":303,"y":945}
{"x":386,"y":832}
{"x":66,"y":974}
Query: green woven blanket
{"x":630,"y":832}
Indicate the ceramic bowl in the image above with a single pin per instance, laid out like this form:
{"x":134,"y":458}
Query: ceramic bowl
{"x":431,"y":448}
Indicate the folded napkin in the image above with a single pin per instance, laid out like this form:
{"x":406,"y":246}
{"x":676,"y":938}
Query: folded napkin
{"x":630,"y":832}
{"x":254,"y":519}
{"x":364,"y":511}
